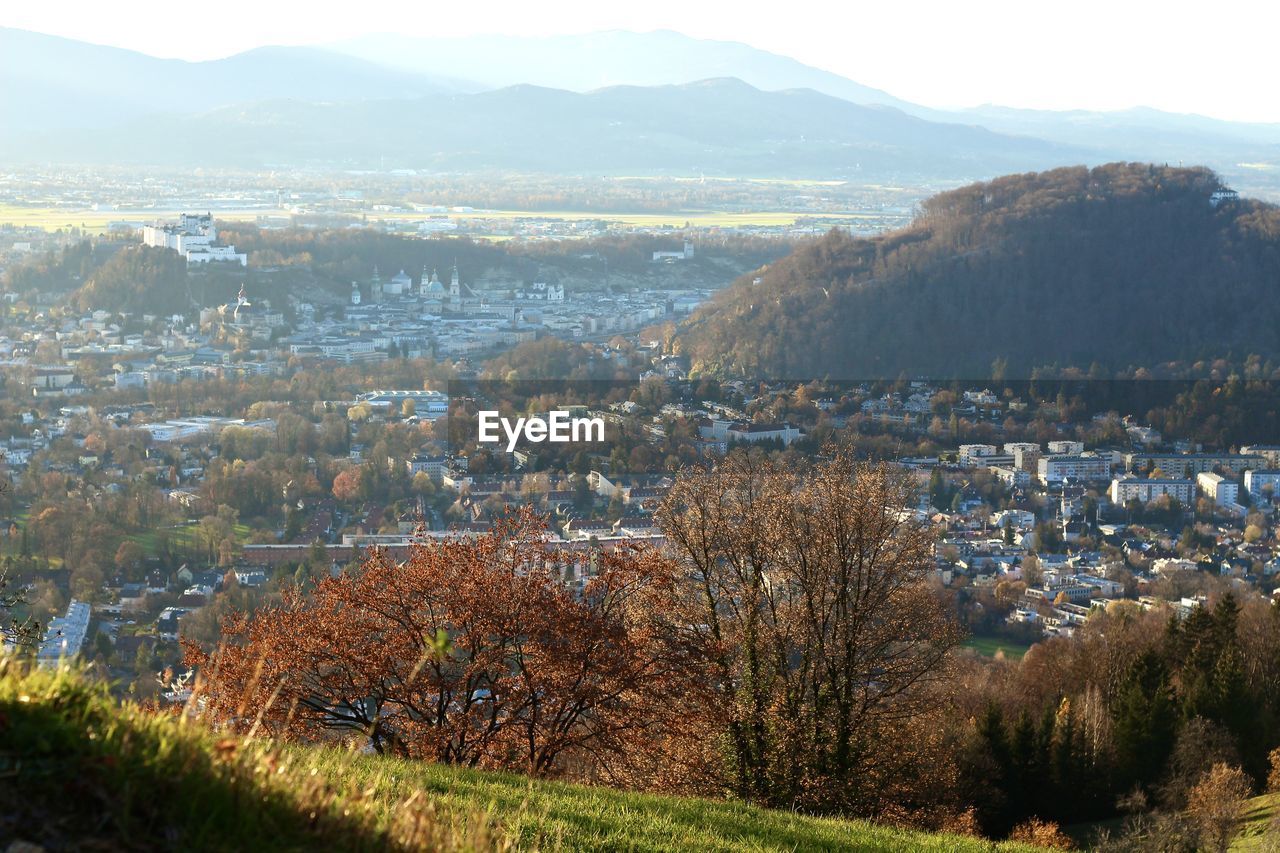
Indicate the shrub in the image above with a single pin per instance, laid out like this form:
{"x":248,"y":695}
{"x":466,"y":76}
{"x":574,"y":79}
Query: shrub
{"x":1041,"y":833}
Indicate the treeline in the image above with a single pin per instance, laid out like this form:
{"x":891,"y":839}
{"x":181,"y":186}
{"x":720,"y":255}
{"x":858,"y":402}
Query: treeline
{"x":633,"y":252}
{"x":58,"y":271}
{"x":1220,"y":404}
{"x":108,"y":274}
{"x":347,"y":254}
{"x":1129,"y":714}
{"x":138,"y":279}
{"x":1124,"y":264}
{"x":350,"y":254}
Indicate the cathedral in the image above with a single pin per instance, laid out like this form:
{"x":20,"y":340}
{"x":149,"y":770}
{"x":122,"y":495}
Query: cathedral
{"x":431,"y":287}
{"x":434,"y":296}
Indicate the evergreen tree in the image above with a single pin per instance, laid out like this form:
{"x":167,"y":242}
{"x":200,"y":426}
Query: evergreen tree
{"x":1145,"y":723}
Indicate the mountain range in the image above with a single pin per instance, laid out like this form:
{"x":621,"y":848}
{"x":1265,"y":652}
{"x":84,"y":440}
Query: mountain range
{"x":51,"y":83}
{"x":717,"y":127}
{"x":582,"y":63}
{"x":657,"y":102}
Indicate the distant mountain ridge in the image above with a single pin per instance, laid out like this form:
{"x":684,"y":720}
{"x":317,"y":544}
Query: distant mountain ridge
{"x":1124,"y":265}
{"x":582,"y":63}
{"x":47,"y":82}
{"x":718,"y":127}
{"x":52,"y":88}
{"x":596,"y":60}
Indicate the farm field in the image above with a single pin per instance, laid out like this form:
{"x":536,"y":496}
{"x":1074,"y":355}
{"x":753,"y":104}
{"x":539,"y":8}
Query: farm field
{"x":53,"y":218}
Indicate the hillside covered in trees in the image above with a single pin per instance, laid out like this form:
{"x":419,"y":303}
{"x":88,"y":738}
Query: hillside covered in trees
{"x":1116,"y":266}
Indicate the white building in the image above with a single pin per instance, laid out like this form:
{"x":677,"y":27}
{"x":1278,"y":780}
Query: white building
{"x":1218,"y":488}
{"x":1259,"y":483}
{"x":65,"y":635}
{"x":426,"y":404}
{"x":1269,"y":452}
{"x":210,"y":254}
{"x":753,"y":433}
{"x":1077,"y":467}
{"x":723,"y":429}
{"x":972,"y":454}
{"x":1066,"y":448}
{"x":684,"y":255}
{"x":1011,"y":477}
{"x":1170,"y":565}
{"x":1190,"y":464}
{"x":432,"y":466}
{"x":1125,"y":489}
{"x":1014,"y":517}
{"x":194,"y":237}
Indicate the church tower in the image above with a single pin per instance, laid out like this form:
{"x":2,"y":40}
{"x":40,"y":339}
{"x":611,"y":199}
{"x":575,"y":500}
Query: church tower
{"x":242,"y":301}
{"x":455,"y":290}
{"x":355,"y":293}
{"x":375,"y":286}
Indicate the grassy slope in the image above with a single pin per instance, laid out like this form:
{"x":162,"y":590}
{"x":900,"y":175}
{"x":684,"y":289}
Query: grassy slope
{"x":581,"y":817}
{"x":1258,"y":818}
{"x":76,"y":769}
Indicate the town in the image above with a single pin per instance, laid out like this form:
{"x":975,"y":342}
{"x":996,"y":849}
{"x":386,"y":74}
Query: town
{"x":161,"y":476}
{"x":512,"y":427}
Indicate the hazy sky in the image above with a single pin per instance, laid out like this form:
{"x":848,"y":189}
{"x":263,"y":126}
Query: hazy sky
{"x":1216,"y":59}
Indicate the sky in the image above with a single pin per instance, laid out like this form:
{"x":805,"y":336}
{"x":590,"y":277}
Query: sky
{"x":1213,"y":59}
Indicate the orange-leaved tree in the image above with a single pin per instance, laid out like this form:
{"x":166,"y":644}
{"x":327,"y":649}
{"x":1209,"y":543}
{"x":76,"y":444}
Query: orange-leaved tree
{"x":491,"y":651}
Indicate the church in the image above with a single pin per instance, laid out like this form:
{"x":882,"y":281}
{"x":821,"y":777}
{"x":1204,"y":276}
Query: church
{"x":461,"y":299}
{"x":242,"y":319}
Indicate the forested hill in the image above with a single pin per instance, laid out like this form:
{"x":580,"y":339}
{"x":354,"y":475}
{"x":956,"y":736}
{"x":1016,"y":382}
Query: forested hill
{"x":1121,"y":265}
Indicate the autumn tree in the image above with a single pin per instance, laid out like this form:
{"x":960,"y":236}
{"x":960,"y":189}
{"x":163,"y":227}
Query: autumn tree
{"x":474,"y":651}
{"x":806,"y":590}
{"x":129,"y":555}
{"x":347,"y":485}
{"x":1217,"y":803}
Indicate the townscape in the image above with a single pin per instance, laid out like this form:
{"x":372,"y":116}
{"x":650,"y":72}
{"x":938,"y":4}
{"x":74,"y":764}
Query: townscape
{"x":488,"y":428}
{"x":234,"y":481}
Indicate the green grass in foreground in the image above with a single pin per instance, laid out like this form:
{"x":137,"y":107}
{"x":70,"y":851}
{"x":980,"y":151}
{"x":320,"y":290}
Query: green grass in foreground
{"x":1258,"y":831}
{"x":988,"y":646}
{"x":77,"y":770}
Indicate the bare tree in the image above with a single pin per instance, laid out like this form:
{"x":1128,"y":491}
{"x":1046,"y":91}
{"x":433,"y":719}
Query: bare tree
{"x":808,"y":595}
